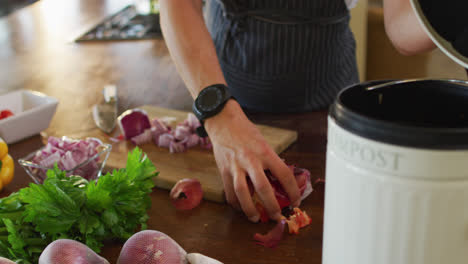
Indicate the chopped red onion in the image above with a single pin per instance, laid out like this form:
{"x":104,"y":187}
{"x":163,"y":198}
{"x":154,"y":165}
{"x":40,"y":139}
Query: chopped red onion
{"x":176,"y":147}
{"x":165,"y":140}
{"x":181,"y":132}
{"x":176,"y":140}
{"x":69,"y":154}
{"x":186,"y":194}
{"x":192,"y":140}
{"x":192,"y":121}
{"x":67,"y":161}
{"x":48,"y":161}
{"x":167,"y":120}
{"x":160,"y":125}
{"x":53,"y":141}
{"x":133,"y":122}
{"x":143,"y":138}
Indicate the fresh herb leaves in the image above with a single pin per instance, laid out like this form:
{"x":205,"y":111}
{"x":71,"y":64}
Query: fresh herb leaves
{"x":114,"y":206}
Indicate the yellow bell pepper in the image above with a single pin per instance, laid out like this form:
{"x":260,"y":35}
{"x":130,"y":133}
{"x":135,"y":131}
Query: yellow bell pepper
{"x":7,"y":166}
{"x":3,"y":148}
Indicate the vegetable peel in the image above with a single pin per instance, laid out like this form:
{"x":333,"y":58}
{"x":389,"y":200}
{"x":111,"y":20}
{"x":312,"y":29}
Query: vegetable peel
{"x":186,"y":194}
{"x":273,"y":237}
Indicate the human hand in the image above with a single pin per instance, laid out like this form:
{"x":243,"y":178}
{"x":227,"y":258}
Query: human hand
{"x":240,"y":152}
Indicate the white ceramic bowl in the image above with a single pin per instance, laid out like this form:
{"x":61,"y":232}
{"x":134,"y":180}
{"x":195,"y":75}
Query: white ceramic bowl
{"x":32,"y":114}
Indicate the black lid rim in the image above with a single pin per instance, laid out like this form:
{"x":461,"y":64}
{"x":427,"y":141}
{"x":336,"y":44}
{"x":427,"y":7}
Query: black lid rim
{"x":398,"y":134}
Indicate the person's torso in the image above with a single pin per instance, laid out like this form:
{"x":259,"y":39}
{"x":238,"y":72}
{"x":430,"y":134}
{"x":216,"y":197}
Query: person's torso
{"x":283,"y":55}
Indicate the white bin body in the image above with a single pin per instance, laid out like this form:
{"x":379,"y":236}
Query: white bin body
{"x":386,"y":204}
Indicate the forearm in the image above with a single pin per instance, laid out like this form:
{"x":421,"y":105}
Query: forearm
{"x":403,"y":28}
{"x":190,"y":44}
{"x":194,"y":54}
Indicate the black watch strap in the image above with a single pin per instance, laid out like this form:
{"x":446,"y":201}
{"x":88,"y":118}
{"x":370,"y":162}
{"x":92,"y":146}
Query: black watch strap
{"x":201,"y":131}
{"x":208,"y":103}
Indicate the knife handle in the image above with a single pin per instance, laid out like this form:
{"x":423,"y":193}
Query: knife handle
{"x":110,"y":93}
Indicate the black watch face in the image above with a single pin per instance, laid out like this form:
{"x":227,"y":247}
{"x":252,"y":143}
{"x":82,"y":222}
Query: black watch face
{"x":210,"y":99}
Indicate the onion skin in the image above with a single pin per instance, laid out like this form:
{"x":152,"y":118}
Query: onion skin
{"x":6,"y":261}
{"x":151,"y":247}
{"x":186,"y":194}
{"x":66,"y":251}
{"x":273,"y":237}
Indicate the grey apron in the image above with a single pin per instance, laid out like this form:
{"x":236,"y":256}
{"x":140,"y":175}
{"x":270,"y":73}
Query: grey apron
{"x":283,"y":55}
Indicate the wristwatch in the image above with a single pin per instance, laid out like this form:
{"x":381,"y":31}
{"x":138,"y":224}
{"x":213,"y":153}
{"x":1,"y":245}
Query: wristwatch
{"x":209,"y":102}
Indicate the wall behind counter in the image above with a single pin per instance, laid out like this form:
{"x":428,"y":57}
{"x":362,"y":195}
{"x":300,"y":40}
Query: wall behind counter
{"x":384,"y":62}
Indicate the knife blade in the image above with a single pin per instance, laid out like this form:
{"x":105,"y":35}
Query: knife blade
{"x":105,"y":113}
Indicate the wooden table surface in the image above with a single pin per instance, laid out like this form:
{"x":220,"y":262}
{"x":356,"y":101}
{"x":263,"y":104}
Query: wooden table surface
{"x":37,"y":53}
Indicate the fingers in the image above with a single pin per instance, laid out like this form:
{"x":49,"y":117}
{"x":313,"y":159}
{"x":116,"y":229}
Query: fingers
{"x":264,"y":191}
{"x":286,"y":177}
{"x":229,"y":189}
{"x":243,"y":195}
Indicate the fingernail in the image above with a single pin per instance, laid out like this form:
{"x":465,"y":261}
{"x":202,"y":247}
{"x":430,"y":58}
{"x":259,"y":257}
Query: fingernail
{"x":277,"y":216}
{"x":254,"y":218}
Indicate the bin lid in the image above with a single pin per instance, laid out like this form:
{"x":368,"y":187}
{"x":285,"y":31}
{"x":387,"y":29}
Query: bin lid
{"x":446,"y":23}
{"x":430,"y":114}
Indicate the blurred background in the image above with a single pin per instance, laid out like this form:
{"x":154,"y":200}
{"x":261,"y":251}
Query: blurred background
{"x":8,"y":6}
{"x":377,"y":59}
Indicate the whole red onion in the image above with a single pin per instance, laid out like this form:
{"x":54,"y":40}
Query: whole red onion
{"x":66,"y":251}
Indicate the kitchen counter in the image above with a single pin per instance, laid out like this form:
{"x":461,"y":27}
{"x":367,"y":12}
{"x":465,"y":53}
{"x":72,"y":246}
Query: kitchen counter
{"x":38,"y":53}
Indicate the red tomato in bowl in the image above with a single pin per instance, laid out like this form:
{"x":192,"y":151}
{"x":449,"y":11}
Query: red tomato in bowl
{"x":5,"y":113}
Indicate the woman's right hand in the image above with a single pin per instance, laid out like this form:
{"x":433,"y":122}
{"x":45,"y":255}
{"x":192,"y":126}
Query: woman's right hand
{"x":240,"y":152}
{"x":238,"y":146}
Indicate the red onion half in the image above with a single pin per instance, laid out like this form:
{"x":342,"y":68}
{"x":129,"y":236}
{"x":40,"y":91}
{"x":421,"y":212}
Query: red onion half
{"x":186,"y":194}
{"x":133,"y":122}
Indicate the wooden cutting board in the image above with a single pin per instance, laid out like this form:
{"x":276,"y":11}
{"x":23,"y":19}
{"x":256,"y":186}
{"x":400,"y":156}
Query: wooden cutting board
{"x":196,"y":162}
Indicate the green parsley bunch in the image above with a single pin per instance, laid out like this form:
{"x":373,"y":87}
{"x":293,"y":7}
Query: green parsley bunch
{"x":112,"y":207}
